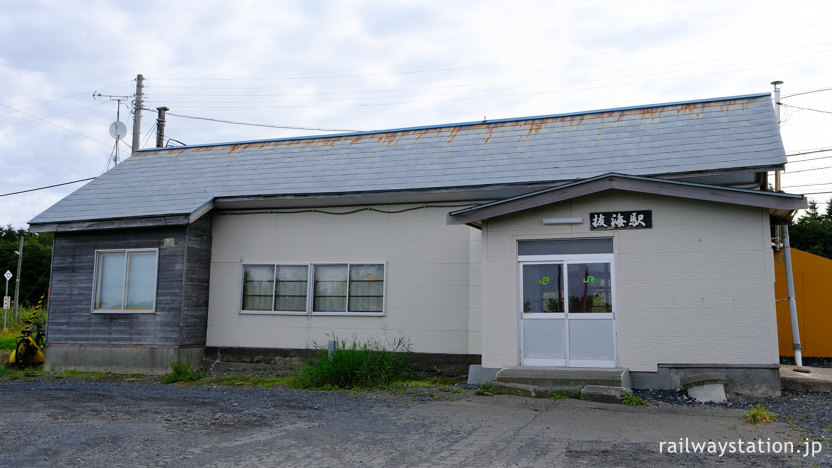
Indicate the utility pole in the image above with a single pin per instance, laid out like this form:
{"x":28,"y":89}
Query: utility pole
{"x":787,"y":253}
{"x":17,"y":280}
{"x":137,"y":112}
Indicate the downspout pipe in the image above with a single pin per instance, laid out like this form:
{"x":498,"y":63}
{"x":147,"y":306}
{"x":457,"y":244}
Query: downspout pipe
{"x":787,"y":258}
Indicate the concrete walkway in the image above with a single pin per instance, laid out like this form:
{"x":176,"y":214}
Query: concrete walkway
{"x":817,"y":379}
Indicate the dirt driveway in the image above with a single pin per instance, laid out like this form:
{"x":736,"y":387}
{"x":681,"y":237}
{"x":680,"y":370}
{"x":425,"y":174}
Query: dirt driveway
{"x":94,"y":423}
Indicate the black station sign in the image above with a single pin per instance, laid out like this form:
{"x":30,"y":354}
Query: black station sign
{"x":607,"y":220}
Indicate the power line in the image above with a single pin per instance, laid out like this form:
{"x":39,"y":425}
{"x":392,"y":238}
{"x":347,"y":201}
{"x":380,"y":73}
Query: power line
{"x":545,"y":80}
{"x":473,"y":67}
{"x":487,"y":86}
{"x":810,"y":159}
{"x":54,"y":124}
{"x":46,"y":187}
{"x":807,"y":108}
{"x":802,"y":152}
{"x":806,"y":170}
{"x":83,"y":93}
{"x":256,"y":124}
{"x":806,"y":185}
{"x":806,"y":92}
{"x":52,"y":115}
{"x":487,"y":94}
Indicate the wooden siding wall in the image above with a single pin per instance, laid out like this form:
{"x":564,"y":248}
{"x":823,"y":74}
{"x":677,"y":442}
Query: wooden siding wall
{"x":181,"y":290}
{"x":194,"y":320}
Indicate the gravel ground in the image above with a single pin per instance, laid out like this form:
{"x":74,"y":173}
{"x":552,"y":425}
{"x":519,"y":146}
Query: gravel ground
{"x":140,"y":422}
{"x":809,"y":411}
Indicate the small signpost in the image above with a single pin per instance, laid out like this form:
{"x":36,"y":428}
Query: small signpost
{"x":7,"y":300}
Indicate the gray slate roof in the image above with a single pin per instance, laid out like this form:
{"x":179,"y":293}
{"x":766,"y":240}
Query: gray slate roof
{"x":656,"y":140}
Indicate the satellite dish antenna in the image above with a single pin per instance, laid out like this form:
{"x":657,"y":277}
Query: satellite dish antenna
{"x":118,"y":130}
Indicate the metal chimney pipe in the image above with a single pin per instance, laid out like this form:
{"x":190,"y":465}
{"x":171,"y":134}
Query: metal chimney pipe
{"x":160,"y":126}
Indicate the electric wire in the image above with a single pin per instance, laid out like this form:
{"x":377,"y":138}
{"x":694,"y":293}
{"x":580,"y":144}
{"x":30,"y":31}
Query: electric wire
{"x":488,"y":96}
{"x":55,"y":125}
{"x":339,"y":213}
{"x":83,"y":93}
{"x":51,"y":115}
{"x":544,"y":78}
{"x":810,"y":159}
{"x":807,"y":170}
{"x":802,"y":152}
{"x":472,"y":67}
{"x":46,"y":187}
{"x":256,"y":124}
{"x":807,"y":109}
{"x":805,"y":92}
{"x":806,"y":185}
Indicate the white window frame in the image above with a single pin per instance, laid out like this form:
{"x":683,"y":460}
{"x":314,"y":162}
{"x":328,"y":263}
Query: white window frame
{"x":274,"y":285}
{"x":310,"y":291}
{"x":97,"y":282}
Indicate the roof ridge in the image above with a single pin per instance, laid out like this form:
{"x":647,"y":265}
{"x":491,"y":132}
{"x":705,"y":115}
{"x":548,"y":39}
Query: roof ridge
{"x":462,"y":124}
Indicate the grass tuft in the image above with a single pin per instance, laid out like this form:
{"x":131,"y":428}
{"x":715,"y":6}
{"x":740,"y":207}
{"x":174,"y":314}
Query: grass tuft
{"x":632,"y":400}
{"x":758,"y":415}
{"x":182,"y":372}
{"x":369,"y":364}
{"x":484,"y":389}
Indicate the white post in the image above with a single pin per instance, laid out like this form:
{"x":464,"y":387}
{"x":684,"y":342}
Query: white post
{"x":17,"y":279}
{"x":787,"y":258}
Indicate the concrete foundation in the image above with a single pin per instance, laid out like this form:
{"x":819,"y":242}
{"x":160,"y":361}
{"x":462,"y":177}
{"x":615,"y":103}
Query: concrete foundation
{"x":567,"y":378}
{"x":284,"y":361}
{"x":741,"y":382}
{"x":478,"y":375}
{"x":151,"y":360}
{"x":604,"y":394}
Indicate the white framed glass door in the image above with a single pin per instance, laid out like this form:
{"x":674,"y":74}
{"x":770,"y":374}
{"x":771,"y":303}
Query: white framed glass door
{"x":567,"y":310}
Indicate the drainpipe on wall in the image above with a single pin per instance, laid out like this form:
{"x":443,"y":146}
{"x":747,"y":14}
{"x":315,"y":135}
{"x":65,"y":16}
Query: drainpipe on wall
{"x":787,"y":258}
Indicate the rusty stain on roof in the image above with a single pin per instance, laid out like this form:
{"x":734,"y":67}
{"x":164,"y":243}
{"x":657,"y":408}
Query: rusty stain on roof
{"x":533,"y":126}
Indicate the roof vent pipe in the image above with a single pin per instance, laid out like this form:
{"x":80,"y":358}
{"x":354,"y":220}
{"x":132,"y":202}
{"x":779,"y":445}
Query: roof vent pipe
{"x":160,"y":127}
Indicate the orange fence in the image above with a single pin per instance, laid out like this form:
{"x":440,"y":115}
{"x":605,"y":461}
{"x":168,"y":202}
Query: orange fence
{"x":813,"y":294}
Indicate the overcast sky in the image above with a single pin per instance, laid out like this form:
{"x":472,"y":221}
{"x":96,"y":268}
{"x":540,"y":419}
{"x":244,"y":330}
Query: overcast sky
{"x":365,"y":65}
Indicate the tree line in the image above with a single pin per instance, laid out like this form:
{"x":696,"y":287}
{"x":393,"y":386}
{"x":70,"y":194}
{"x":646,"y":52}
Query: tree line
{"x":812,"y":232}
{"x":35,"y":269}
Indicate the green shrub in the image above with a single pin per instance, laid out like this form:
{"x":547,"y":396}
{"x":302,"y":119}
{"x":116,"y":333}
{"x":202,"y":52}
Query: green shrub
{"x":758,"y":415}
{"x":182,"y":372}
{"x":369,"y":364}
{"x":632,"y":400}
{"x":484,"y":388}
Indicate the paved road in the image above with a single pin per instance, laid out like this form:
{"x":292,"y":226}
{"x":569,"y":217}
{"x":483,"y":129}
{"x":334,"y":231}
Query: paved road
{"x":92,"y":423}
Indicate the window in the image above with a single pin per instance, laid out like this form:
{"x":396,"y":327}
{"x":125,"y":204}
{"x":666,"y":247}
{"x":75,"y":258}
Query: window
{"x":258,"y":287}
{"x":342,"y":288}
{"x":567,"y":287}
{"x":330,"y":288}
{"x":275,"y":287}
{"x":125,"y":280}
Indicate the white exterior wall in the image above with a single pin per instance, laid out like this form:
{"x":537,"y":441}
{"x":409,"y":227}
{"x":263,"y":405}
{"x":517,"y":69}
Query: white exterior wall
{"x":696,"y":288}
{"x":427,"y":290}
